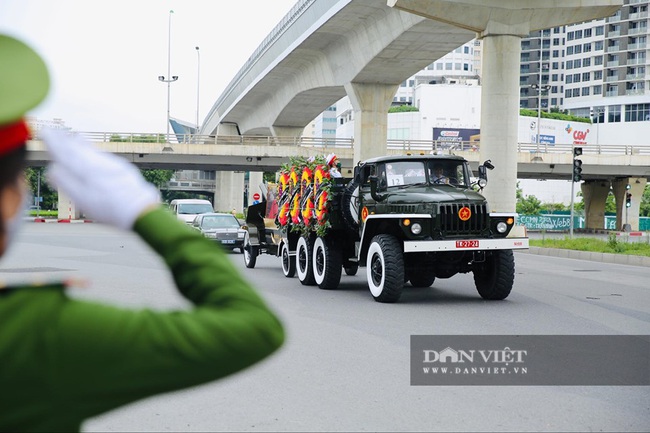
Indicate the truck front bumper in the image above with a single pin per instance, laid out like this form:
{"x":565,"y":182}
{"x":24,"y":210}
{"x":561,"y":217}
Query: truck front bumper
{"x":465,"y":245}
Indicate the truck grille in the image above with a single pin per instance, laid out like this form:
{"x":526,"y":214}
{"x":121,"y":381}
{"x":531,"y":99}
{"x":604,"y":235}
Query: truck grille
{"x":452,"y":225}
{"x":403,"y":208}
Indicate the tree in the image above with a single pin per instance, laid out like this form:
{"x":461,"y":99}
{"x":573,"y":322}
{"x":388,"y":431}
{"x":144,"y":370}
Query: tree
{"x":402,"y":109}
{"x":557,"y":115}
{"x":644,"y":208}
{"x":529,"y":205}
{"x":553,"y":207}
{"x":159,"y":138}
{"x":269,"y":177}
{"x":157,"y":177}
{"x":49,"y":194}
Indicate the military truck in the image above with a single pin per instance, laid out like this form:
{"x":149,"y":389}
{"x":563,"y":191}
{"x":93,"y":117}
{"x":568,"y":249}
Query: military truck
{"x":407,"y":219}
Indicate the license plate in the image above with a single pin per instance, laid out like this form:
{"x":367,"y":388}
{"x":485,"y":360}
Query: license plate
{"x":227,"y":241}
{"x":467,"y":244}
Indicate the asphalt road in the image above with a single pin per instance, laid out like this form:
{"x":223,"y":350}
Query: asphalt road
{"x":345,"y":364}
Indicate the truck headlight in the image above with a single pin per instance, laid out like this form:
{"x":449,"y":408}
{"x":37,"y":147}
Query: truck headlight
{"x":502,"y":227}
{"x":416,"y":228}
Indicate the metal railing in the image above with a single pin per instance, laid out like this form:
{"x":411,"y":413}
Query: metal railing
{"x":325,"y":143}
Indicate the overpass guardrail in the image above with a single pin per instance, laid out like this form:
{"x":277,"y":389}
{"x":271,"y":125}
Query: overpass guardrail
{"x":326,"y":143}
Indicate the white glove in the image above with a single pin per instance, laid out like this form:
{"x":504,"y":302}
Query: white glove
{"x":108,"y":187}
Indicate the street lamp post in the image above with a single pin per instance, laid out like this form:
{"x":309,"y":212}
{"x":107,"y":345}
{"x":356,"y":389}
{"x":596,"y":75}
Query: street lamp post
{"x":540,"y":89}
{"x":170,"y":79}
{"x":198,"y":83}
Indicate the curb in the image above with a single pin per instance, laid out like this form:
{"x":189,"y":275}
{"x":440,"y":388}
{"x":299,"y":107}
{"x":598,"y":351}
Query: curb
{"x":620,"y":259}
{"x":71,"y":221}
{"x":54,"y":220}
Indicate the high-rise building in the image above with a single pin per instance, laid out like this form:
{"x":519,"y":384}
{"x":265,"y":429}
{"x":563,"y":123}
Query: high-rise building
{"x":595,"y":69}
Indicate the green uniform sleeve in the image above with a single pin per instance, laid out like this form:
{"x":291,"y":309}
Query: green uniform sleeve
{"x":104,"y":356}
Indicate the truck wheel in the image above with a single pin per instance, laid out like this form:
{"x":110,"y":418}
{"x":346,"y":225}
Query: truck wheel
{"x":303,"y":261}
{"x":350,"y":206}
{"x":288,"y":261}
{"x":250,"y":252}
{"x":327,"y":263}
{"x":494,"y":277}
{"x":351,"y":270}
{"x":385,"y":265}
{"x":422,"y":279}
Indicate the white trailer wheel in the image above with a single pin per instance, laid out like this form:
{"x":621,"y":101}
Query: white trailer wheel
{"x":304,"y":267}
{"x":326,"y":263}
{"x":288,"y":261}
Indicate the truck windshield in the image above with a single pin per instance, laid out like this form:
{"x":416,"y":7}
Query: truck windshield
{"x":443,"y":172}
{"x":403,"y":173}
{"x":452,"y":173}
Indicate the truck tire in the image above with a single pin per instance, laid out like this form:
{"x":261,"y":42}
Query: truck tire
{"x":422,"y":279}
{"x":385,"y":271}
{"x":495,"y":276}
{"x":327,"y":263}
{"x":351,"y":270}
{"x":288,"y":261}
{"x":250,"y":252}
{"x":304,"y":267}
{"x":350,"y":206}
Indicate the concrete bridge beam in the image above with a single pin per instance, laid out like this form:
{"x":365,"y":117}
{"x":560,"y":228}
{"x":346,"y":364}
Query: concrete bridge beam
{"x":594,"y":194}
{"x":628,"y":215}
{"x":370,"y":103}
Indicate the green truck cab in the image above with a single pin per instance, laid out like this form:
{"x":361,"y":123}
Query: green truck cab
{"x":406,"y":219}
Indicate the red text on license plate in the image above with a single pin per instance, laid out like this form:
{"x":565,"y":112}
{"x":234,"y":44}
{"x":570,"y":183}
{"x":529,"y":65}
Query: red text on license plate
{"x":467,"y":244}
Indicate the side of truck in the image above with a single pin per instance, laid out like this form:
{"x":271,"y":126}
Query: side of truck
{"x":404,"y":218}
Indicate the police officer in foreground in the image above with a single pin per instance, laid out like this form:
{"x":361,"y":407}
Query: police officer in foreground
{"x":65,"y":360}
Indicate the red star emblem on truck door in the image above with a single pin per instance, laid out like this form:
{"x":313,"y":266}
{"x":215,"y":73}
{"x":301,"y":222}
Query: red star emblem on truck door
{"x":464,"y":213}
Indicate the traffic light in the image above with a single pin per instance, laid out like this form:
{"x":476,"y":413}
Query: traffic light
{"x":628,"y":199}
{"x":577,"y":164}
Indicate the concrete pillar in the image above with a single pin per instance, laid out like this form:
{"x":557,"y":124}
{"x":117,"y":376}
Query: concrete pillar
{"x":67,"y":209}
{"x":229,"y":193}
{"x":255,"y":178}
{"x":286,"y":131}
{"x":500,"y":117}
{"x":628,"y":215}
{"x":594,"y":194}
{"x":228,"y":129}
{"x":371,"y":103}
{"x":287,"y":134}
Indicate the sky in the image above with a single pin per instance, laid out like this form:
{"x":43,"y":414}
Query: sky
{"x":105,"y":57}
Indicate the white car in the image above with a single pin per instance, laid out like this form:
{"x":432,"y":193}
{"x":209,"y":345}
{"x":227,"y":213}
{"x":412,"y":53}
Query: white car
{"x":187,"y":209}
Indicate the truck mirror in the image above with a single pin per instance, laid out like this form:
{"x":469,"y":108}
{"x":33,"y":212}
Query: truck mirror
{"x":482,"y":176}
{"x":482,"y":172}
{"x":488,"y":165}
{"x":357,"y":174}
{"x":373,"y":188}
